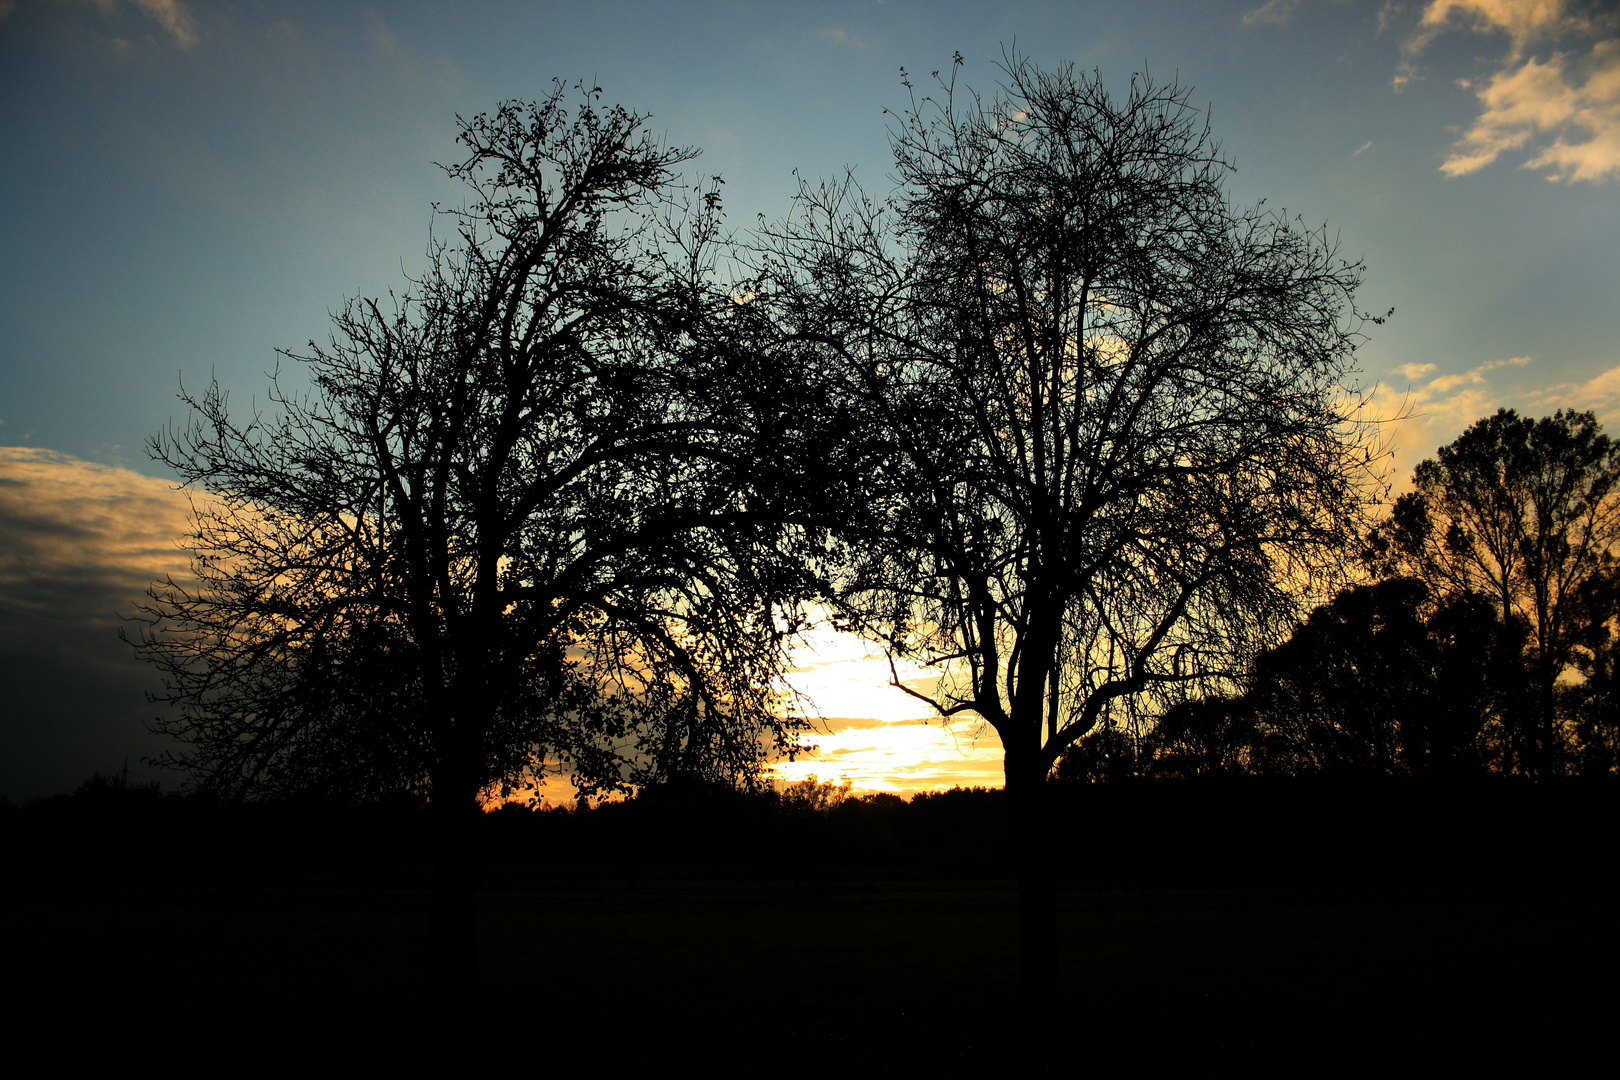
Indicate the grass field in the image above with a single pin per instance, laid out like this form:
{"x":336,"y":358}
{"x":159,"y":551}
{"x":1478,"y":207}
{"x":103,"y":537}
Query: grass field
{"x":586,"y":967}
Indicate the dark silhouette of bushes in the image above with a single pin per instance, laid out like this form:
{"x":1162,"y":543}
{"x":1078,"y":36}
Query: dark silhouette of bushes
{"x":1209,"y":828}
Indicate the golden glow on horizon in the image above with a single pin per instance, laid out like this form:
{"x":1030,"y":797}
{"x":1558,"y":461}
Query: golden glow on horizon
{"x":872,"y":733}
{"x":902,"y":758}
{"x":124,"y":525}
{"x":843,"y":675}
{"x":868,"y":732}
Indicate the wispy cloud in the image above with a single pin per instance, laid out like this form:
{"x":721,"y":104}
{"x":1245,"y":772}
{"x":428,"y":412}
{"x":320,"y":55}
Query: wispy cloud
{"x":842,"y":37}
{"x":174,"y":17}
{"x":1524,"y":21}
{"x":1414,"y":372}
{"x":1431,"y":409}
{"x":72,"y":525}
{"x":902,"y":758}
{"x":1600,"y":394}
{"x":1363,"y":147}
{"x":874,"y":735}
{"x":1426,"y":410}
{"x":1272,"y":11}
{"x":1577,"y":101}
{"x":1569,"y":95}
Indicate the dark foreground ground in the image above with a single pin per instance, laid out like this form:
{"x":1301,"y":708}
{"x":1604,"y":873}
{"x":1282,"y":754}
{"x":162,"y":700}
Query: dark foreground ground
{"x":649,"y":963}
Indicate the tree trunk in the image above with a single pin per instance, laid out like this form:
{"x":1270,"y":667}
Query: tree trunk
{"x":1037,"y":887}
{"x":452,"y":937}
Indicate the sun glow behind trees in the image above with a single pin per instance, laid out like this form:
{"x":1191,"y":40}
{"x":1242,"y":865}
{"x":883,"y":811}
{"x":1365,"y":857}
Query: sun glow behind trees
{"x":866,"y":730}
{"x":122,"y":530}
{"x":874,"y":734}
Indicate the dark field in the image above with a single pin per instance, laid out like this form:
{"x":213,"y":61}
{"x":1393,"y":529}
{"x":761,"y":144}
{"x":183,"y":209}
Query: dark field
{"x":826,"y":975}
{"x":818,"y":970}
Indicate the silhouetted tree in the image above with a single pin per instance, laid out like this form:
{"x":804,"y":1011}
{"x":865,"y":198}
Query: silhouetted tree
{"x":1209,"y":736}
{"x":1526,"y":513}
{"x":1118,"y":443}
{"x":1373,"y":684}
{"x":1477,"y":678}
{"x":1340,"y":688}
{"x":1377,"y":682}
{"x":517,"y":522}
{"x":1592,"y":705}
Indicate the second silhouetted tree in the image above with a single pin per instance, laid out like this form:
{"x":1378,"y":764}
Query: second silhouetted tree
{"x":1119,"y":439}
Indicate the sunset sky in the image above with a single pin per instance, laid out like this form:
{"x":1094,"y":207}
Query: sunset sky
{"x":189,"y":185}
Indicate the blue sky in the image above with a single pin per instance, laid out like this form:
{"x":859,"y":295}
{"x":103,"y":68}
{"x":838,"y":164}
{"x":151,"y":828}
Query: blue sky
{"x":189,"y":185}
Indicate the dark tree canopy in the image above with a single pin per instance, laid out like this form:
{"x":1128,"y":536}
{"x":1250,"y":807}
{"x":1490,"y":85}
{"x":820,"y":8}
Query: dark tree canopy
{"x":1115,"y":436}
{"x":516,"y":523}
{"x":522,"y":520}
{"x":1378,"y":682}
{"x":1524,"y":514}
{"x":1487,"y":643}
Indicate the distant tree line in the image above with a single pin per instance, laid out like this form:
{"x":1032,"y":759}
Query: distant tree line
{"x":1482,"y":641}
{"x":1194,"y":831}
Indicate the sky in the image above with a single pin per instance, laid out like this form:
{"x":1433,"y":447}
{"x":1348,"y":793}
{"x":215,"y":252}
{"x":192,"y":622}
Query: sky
{"x":188,"y":186}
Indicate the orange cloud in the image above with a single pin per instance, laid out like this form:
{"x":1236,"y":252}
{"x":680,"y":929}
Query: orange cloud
{"x":71,"y":527}
{"x":1524,"y":21}
{"x":901,"y":758}
{"x":877,"y":736}
{"x":1600,"y":394}
{"x":1578,"y":102}
{"x":1433,"y":409}
{"x":79,"y":543}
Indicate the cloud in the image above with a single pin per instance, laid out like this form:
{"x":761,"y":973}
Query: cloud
{"x":72,"y":525}
{"x":79,"y":543}
{"x":1596,"y":110}
{"x":1413,"y":372}
{"x":1524,"y":21}
{"x":174,"y":18}
{"x":1570,"y":96}
{"x":841,"y":37}
{"x":877,"y":737}
{"x":1272,"y":11}
{"x":1582,"y":107}
{"x":903,"y":758}
{"x":841,"y":675}
{"x":1600,"y":394}
{"x":1434,"y":409}
{"x":1431,"y":411}
{"x":1363,"y":147}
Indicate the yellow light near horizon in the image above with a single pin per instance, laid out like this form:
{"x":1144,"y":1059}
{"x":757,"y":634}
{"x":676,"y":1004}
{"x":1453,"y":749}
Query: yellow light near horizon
{"x":868,"y":731}
{"x":839,"y":674}
{"x":874,"y":734}
{"x":901,"y":758}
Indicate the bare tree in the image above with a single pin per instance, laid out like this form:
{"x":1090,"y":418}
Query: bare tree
{"x":517,"y":523}
{"x":1113,"y":439}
